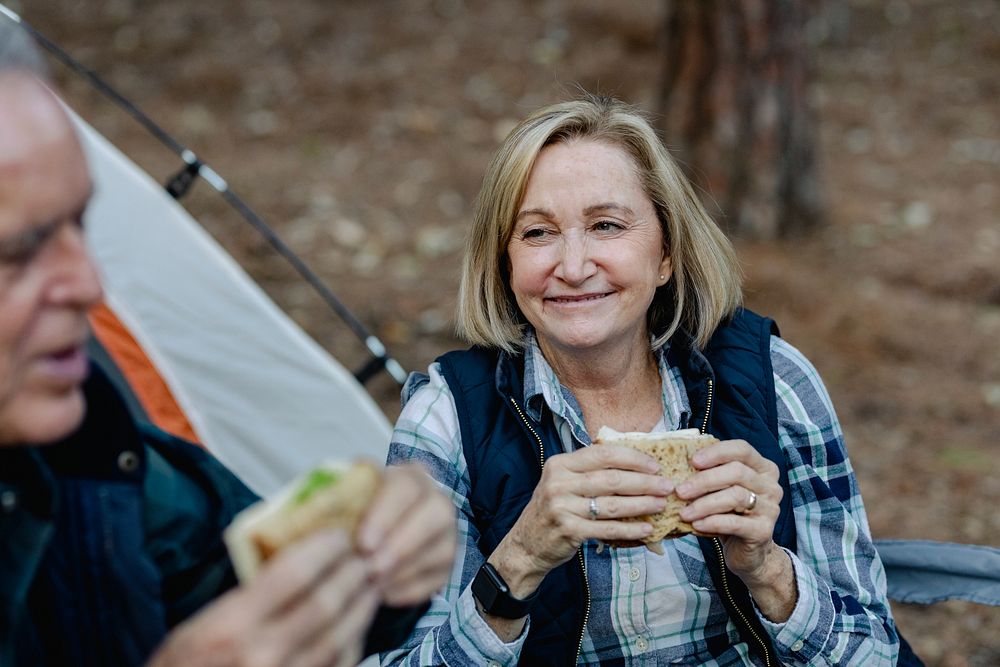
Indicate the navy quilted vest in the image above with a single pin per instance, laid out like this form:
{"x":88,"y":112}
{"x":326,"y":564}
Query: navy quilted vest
{"x":731,"y":390}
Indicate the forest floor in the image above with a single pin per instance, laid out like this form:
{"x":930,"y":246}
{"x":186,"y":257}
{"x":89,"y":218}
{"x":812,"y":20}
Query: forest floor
{"x":361,"y":131}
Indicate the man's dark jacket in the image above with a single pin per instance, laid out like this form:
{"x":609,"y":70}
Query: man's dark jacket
{"x":113,"y":536}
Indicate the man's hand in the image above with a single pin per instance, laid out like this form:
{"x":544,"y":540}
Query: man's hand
{"x":311,"y":605}
{"x":409,"y":533}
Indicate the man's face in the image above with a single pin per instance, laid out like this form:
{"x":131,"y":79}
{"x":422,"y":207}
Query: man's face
{"x":47,"y":280}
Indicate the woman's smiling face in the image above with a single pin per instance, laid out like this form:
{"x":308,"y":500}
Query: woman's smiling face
{"x":587,"y":253}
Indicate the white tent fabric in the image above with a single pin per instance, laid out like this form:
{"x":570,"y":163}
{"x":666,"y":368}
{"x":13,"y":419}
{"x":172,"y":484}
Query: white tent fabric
{"x":261,"y":394}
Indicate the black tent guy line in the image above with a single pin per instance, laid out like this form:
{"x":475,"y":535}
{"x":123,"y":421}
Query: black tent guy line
{"x":178,"y":185}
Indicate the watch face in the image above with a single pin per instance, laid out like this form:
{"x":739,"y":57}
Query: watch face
{"x":485,"y":589}
{"x":496,"y":579}
{"x":492,"y":592}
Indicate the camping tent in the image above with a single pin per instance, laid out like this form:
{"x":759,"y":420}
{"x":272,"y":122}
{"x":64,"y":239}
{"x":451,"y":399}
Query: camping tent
{"x":260,"y":394}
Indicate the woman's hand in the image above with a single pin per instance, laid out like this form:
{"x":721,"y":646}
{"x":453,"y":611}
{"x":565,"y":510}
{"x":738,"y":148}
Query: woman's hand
{"x":311,"y":605}
{"x":409,"y":532}
{"x":557,"y":519}
{"x":736,"y":494}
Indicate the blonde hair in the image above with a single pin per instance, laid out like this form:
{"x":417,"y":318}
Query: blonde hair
{"x":706,"y":285}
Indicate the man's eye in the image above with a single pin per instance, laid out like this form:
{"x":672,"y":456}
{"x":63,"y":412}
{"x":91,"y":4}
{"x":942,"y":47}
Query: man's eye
{"x":21,"y":253}
{"x":20,"y":257}
{"x":21,"y":249}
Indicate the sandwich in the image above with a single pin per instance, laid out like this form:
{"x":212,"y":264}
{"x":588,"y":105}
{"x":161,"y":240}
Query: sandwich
{"x":673,"y":451}
{"x":332,"y":495}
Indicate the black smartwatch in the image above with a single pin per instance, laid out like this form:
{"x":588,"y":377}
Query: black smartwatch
{"x":493,"y":593}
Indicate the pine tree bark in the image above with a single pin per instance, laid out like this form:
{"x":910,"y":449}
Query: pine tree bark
{"x":734,"y":109}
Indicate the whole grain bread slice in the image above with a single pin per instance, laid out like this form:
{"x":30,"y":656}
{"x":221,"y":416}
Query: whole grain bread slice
{"x":673,"y":451}
{"x":261,"y":530}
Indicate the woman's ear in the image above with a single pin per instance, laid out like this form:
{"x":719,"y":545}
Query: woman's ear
{"x":666,"y":269}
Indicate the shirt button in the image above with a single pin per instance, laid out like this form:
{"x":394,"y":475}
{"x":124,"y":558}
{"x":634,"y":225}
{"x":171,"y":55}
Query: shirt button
{"x":8,"y":501}
{"x":492,"y":663}
{"x":633,"y":574}
{"x":128,"y":461}
{"x":641,"y":644}
{"x":797,"y":646}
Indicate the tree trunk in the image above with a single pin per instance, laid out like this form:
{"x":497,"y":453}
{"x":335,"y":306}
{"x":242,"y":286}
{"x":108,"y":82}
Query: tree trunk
{"x":734,"y":111}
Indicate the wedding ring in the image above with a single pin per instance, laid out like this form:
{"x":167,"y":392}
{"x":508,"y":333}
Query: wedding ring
{"x":594,"y":512}
{"x":751,"y":503}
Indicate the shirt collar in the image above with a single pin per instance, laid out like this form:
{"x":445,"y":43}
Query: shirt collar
{"x":536,"y":368}
{"x":542,"y":388}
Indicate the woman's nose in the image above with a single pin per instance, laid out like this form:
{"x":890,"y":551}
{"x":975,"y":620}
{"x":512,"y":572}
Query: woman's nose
{"x":576,"y":264}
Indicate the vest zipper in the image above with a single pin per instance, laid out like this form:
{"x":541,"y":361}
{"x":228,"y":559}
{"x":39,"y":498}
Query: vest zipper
{"x":725,"y":585}
{"x":721,"y":554}
{"x":541,"y":447}
{"x":586,"y":610}
{"x":579,"y":552}
{"x":708,"y":406}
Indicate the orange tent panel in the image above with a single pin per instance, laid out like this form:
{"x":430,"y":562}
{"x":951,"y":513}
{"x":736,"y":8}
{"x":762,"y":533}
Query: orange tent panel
{"x":148,"y":385}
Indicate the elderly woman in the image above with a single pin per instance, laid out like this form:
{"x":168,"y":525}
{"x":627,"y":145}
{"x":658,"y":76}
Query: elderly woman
{"x":597,"y":291}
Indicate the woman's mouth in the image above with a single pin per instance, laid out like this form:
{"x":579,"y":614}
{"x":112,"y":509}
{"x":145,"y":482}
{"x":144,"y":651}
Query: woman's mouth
{"x":577,"y":298}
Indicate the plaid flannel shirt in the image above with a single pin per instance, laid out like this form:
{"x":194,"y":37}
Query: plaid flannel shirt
{"x":657,"y":610}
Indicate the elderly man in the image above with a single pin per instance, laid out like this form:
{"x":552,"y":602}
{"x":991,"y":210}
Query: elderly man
{"x":110,"y":549}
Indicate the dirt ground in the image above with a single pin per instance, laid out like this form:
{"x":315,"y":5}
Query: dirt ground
{"x":360,"y":130}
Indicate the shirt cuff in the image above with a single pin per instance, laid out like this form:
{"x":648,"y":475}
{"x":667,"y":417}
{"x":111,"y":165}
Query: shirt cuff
{"x":807,"y":630}
{"x":478,"y":640}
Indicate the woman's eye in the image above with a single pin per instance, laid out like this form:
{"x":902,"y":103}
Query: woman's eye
{"x":536,"y":233}
{"x":607,"y":226}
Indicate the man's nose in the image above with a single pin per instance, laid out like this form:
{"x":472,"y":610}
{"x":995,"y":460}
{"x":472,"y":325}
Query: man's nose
{"x":77,"y":282}
{"x":576,"y":263}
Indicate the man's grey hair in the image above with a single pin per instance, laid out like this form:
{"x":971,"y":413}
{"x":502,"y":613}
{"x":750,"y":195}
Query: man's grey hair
{"x":18,"y":51}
